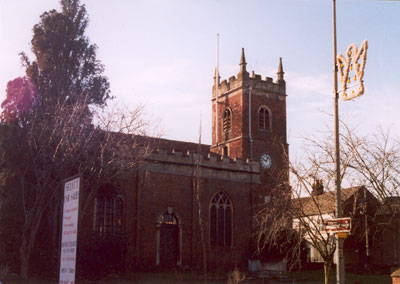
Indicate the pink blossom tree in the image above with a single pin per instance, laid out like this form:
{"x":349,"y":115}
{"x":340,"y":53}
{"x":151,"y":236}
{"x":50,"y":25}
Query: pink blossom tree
{"x":21,"y":96}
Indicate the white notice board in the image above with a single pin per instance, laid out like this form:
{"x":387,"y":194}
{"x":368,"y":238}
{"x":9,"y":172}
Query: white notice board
{"x":69,"y":230}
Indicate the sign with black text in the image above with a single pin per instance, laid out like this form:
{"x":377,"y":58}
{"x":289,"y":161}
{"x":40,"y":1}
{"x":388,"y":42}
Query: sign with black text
{"x":69,"y":230}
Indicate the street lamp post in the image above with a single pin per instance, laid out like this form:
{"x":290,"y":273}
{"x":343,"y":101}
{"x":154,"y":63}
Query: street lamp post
{"x":344,"y":64}
{"x":339,"y":241}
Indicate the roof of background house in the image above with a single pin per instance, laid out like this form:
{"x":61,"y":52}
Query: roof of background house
{"x":323,"y":203}
{"x":390,"y":206}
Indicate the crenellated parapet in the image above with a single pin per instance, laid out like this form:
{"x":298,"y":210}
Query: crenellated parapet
{"x":244,"y":79}
{"x":211,"y":165}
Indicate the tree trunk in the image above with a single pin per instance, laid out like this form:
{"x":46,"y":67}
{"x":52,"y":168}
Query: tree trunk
{"x":203,"y":245}
{"x":327,"y":271}
{"x":200,"y":224}
{"x":55,"y":239}
{"x":28,"y":238}
{"x":24,"y":257}
{"x":396,"y":245}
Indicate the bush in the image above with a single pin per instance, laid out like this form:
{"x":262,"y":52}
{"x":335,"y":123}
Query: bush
{"x":100,"y":256}
{"x":4,"y":271}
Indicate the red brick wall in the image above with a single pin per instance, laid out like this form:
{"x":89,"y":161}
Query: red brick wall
{"x":161,"y":191}
{"x":272,"y":141}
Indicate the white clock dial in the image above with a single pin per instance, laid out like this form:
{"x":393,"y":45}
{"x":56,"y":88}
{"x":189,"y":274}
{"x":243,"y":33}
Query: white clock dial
{"x":266,"y":161}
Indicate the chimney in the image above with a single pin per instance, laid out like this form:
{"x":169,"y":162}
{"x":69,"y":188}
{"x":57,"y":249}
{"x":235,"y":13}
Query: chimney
{"x":317,"y":187}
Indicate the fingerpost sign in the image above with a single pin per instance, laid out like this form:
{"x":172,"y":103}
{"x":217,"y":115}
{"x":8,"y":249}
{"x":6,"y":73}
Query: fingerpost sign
{"x":337,"y":225}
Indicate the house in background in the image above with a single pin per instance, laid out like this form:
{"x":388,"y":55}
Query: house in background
{"x":386,"y":240}
{"x":357,"y":203}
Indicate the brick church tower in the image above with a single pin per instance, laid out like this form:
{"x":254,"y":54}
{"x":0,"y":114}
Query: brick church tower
{"x":249,"y":119}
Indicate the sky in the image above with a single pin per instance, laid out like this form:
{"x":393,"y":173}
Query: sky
{"x":163,"y":54}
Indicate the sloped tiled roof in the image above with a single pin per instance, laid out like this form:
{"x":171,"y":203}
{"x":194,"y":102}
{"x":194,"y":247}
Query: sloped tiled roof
{"x":323,"y":203}
{"x":390,"y":206}
{"x":179,"y":146}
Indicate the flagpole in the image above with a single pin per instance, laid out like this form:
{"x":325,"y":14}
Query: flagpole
{"x":216,"y":92}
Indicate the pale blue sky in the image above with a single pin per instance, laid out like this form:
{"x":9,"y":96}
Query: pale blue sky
{"x":162,"y":53}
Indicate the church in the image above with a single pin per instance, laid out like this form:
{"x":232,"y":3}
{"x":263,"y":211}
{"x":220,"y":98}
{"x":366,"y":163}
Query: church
{"x":188,"y":204}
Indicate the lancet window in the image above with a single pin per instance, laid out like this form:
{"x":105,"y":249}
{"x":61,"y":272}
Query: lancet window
{"x":264,"y":118}
{"x":227,"y":120}
{"x":221,"y":220}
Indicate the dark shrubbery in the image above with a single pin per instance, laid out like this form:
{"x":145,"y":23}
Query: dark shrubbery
{"x":100,"y":256}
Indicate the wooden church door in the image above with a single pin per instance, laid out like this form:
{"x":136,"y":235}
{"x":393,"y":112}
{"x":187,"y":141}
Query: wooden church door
{"x":169,"y":241}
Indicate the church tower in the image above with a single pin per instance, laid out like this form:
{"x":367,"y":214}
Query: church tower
{"x":249,"y":118}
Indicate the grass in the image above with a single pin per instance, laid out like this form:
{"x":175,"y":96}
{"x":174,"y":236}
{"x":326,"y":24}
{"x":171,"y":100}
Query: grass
{"x":177,"y":277}
{"x":145,"y":278}
{"x":317,"y":276}
{"x":304,"y":277}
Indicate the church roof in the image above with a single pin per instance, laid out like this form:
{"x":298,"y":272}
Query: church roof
{"x":157,"y":143}
{"x":180,"y":146}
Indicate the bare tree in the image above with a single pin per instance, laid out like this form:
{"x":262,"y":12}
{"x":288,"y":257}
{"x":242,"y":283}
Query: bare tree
{"x":297,"y":215}
{"x":376,"y":163}
{"x":197,"y":194}
{"x":52,"y":147}
{"x":290,"y":220}
{"x":46,"y":128}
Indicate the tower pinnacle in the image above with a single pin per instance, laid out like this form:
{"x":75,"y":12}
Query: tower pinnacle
{"x":280,"y":70}
{"x":242,"y":62}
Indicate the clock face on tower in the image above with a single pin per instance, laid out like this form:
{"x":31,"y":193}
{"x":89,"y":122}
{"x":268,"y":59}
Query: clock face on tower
{"x":266,"y":161}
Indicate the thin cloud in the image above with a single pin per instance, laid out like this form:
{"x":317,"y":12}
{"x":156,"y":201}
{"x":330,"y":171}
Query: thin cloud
{"x":307,"y":86}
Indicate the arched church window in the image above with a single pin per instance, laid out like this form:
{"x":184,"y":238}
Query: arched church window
{"x":108,"y":211}
{"x":227,"y":118}
{"x":264,"y":118}
{"x":221,"y":220}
